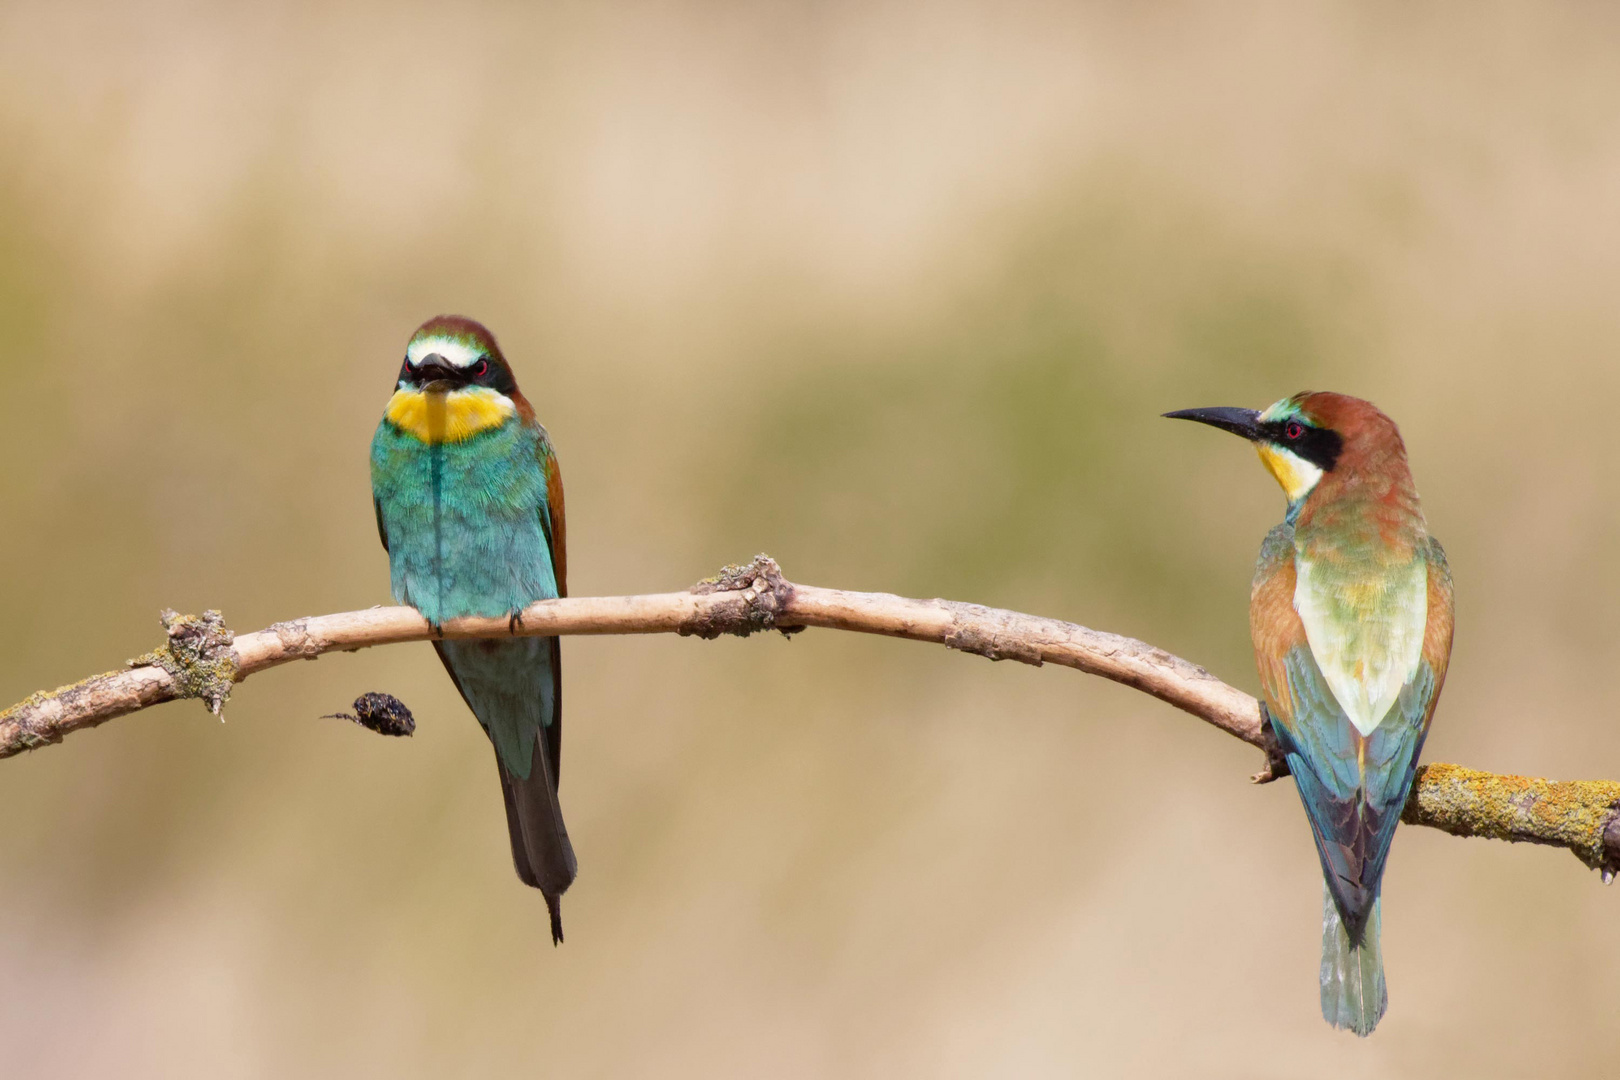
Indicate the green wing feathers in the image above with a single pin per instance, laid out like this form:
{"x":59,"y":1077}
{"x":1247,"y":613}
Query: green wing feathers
{"x":1353,"y":786}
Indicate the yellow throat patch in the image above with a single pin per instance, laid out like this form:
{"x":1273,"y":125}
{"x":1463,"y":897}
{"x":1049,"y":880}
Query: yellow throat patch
{"x":1296,"y":475}
{"x":448,"y":418}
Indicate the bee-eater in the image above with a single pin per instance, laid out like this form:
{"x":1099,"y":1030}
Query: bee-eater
{"x":1351,"y":615}
{"x":469,"y":503}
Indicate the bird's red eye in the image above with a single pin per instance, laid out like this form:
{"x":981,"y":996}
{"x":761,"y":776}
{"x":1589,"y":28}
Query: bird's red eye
{"x":1294,"y":429}
{"x":480,"y":369}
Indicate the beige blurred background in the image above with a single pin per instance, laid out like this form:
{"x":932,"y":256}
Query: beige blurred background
{"x":895,"y":292}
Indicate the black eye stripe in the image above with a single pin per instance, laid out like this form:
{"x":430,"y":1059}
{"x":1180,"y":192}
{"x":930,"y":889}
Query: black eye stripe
{"x":1319,"y":446}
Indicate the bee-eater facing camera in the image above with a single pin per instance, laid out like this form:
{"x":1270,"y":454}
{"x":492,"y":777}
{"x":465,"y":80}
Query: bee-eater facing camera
{"x":469,"y":503}
{"x":1351,"y":616}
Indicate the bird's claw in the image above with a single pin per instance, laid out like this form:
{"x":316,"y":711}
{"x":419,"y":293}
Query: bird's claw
{"x":1276,"y":753}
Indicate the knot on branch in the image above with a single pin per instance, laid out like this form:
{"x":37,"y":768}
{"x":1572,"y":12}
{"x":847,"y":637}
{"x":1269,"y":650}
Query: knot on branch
{"x":762,"y":593}
{"x":295,"y":639}
{"x":198,"y":657}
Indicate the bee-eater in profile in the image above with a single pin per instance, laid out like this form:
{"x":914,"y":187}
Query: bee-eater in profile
{"x":1351,"y":615}
{"x":469,"y":503}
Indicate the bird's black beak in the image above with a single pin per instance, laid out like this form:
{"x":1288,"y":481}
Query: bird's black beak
{"x":1244,"y":422}
{"x":436,"y":377}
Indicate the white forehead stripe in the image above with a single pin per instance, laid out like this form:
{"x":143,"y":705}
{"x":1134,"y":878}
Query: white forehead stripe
{"x":449,"y":350}
{"x":1278,"y":410}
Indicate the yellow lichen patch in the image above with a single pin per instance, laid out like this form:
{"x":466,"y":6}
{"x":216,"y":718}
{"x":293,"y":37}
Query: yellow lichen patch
{"x":1296,"y":475}
{"x":1466,"y":802}
{"x":453,"y":417}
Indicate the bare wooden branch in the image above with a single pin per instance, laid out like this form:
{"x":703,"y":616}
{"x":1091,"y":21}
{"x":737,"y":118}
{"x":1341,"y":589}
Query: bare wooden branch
{"x":203,"y":660}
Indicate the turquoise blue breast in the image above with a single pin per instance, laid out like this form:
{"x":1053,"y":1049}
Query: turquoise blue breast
{"x":463,"y":521}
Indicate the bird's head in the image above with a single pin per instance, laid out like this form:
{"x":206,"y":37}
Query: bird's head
{"x":453,"y":383}
{"x":1308,"y":436}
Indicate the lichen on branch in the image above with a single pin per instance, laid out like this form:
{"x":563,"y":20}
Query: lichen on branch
{"x":1577,"y":814}
{"x":202,"y":659}
{"x":197,"y":656}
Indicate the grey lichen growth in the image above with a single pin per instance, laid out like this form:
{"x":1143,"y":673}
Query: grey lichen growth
{"x":30,"y":734}
{"x":764,"y":592}
{"x":734,"y":577}
{"x":198,"y":657}
{"x":35,"y":721}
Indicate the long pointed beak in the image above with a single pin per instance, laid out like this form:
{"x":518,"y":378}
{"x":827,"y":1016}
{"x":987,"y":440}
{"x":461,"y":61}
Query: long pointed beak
{"x":1244,"y":422}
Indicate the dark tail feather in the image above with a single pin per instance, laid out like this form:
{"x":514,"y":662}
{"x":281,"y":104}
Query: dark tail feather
{"x":541,"y":852}
{"x":554,"y":907}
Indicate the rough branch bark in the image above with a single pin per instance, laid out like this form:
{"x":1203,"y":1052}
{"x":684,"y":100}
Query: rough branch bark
{"x":203,"y":660}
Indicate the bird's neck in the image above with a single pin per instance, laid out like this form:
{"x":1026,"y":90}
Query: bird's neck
{"x":1373,"y":511}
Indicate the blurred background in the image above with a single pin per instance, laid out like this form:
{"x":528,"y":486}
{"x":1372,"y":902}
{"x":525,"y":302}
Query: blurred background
{"x":894,"y":292}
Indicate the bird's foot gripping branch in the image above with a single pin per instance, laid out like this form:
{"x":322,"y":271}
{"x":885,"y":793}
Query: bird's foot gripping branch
{"x":201,"y":659}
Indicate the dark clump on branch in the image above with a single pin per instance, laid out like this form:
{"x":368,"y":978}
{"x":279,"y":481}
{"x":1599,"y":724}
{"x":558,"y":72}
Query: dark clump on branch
{"x":764,"y":593}
{"x":383,"y":713}
{"x":197,"y":656}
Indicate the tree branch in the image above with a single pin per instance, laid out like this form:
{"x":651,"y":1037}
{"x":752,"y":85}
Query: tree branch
{"x":203,"y":660}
